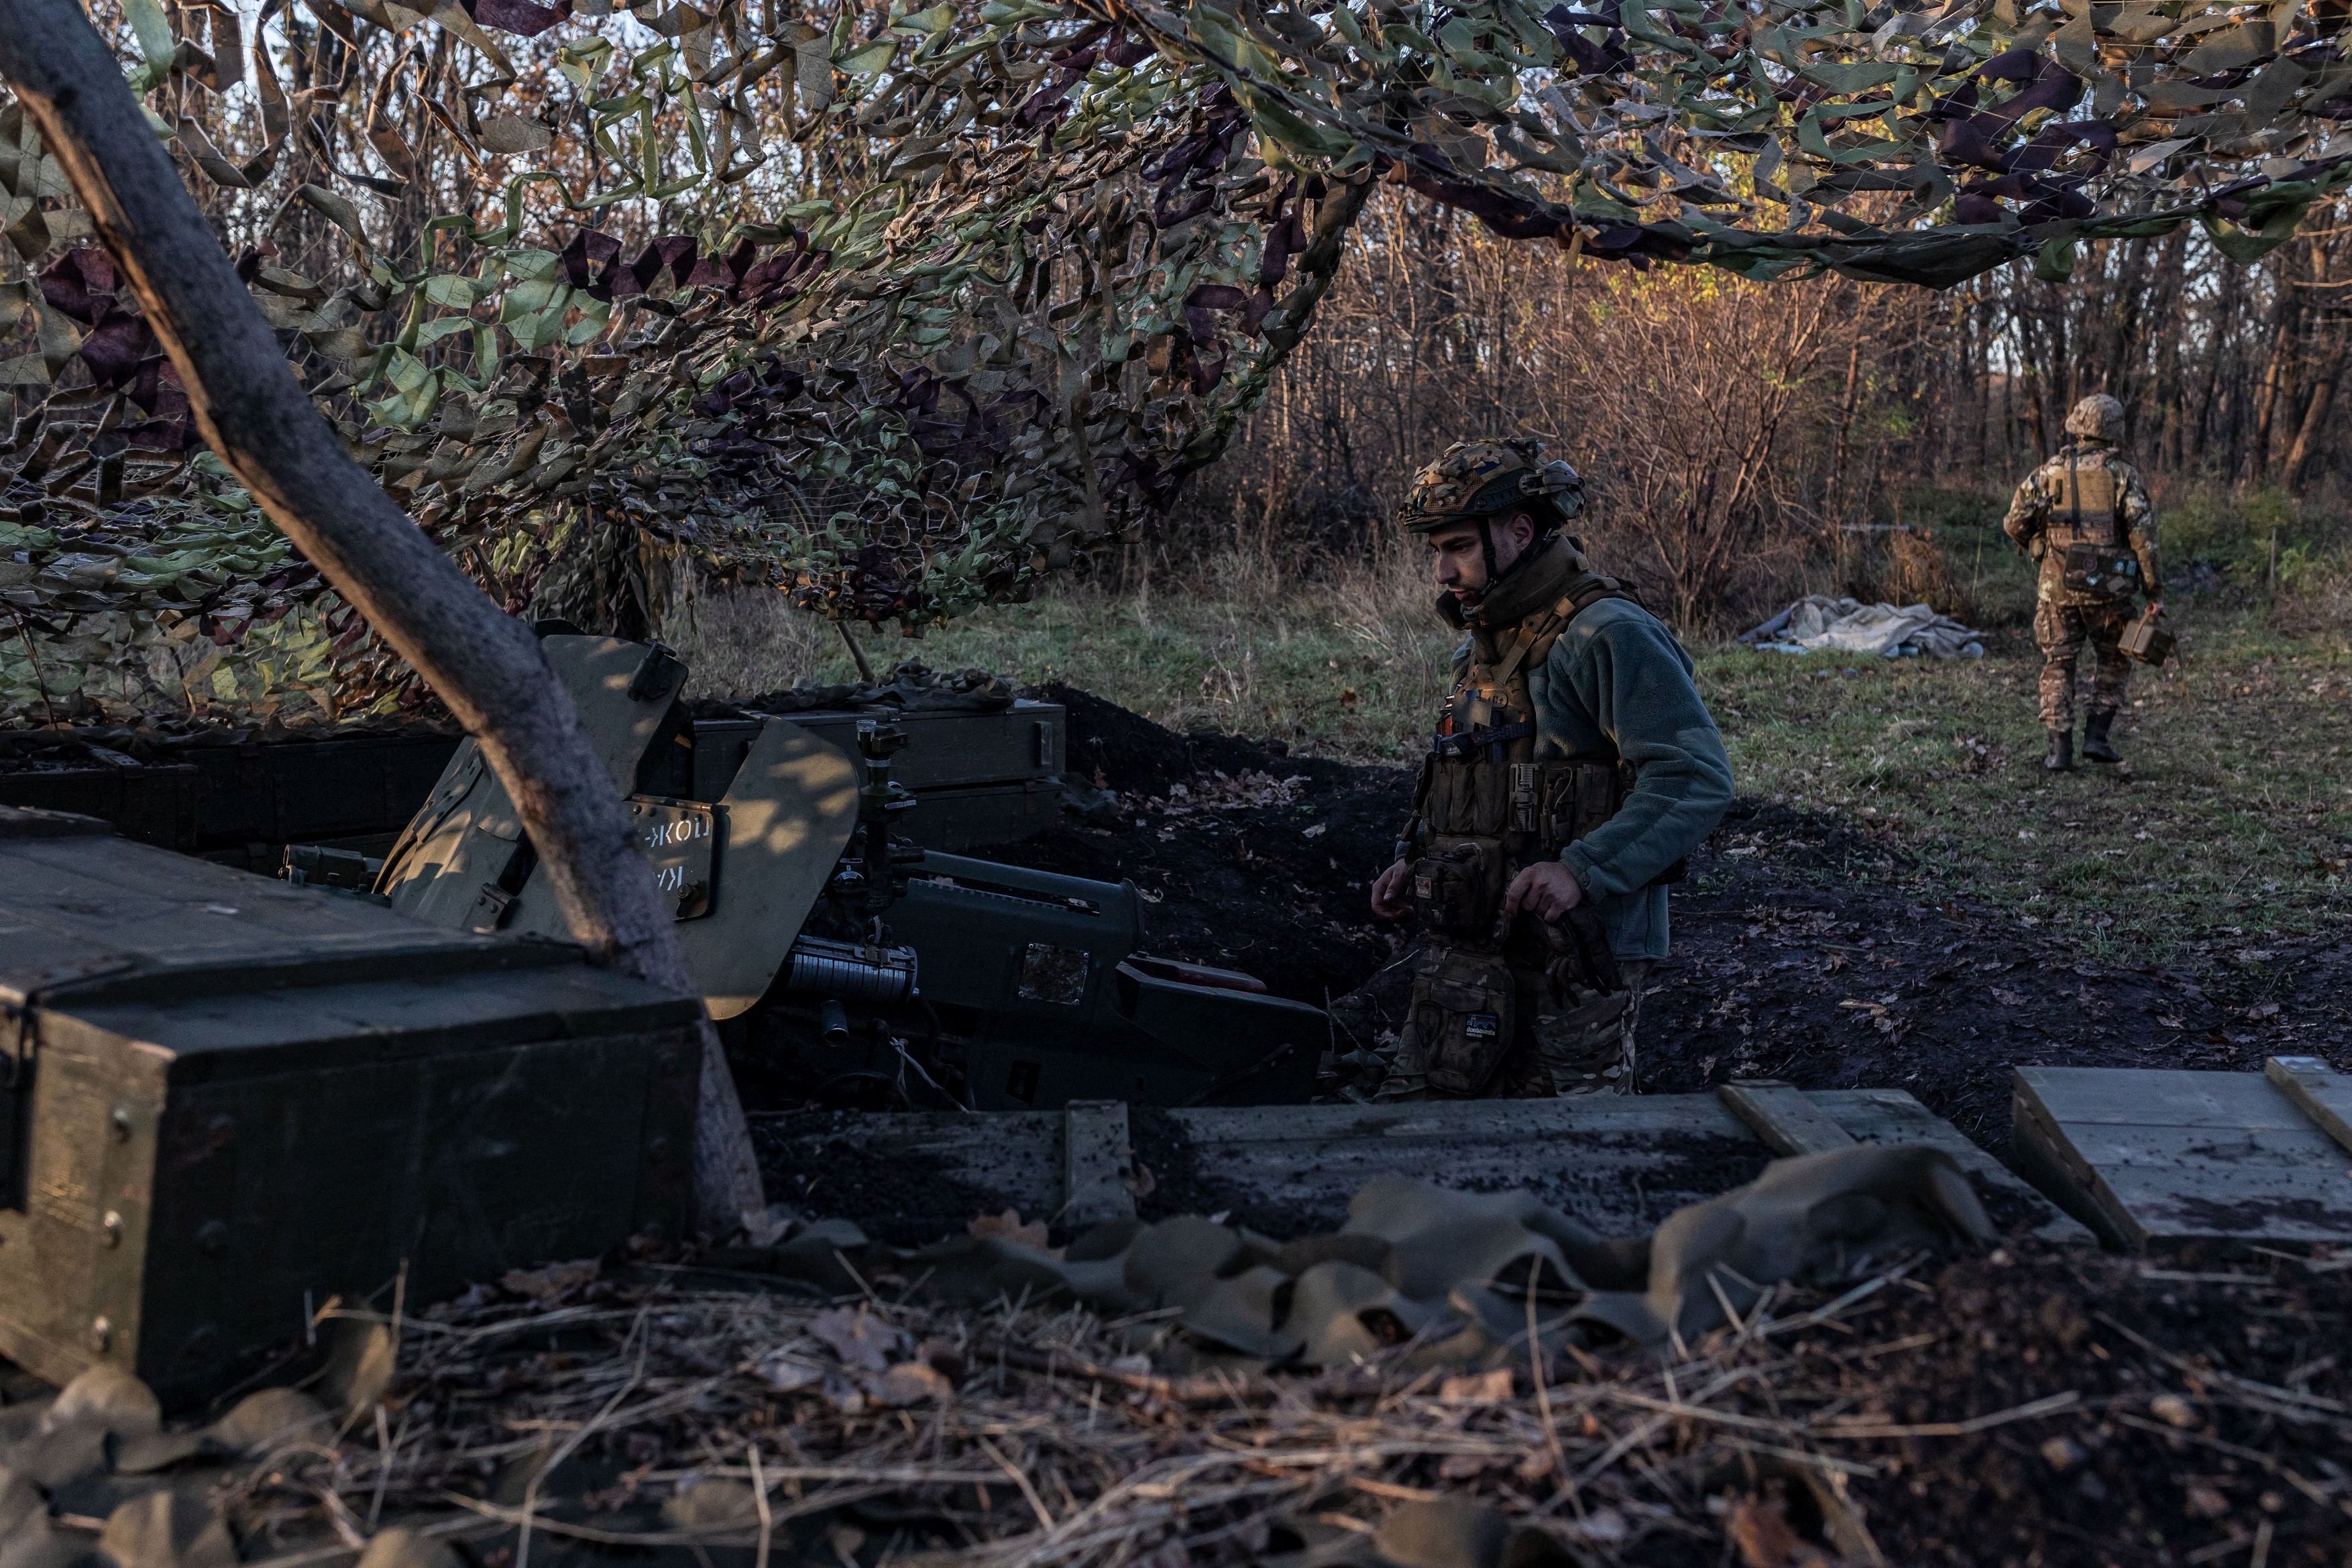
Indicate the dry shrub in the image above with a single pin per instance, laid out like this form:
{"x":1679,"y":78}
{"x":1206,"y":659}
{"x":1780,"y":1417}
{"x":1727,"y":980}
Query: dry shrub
{"x":1899,"y":567}
{"x":1723,"y":428}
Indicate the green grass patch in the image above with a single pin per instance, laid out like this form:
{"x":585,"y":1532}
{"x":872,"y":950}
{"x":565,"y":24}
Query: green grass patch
{"x":2234,"y":813}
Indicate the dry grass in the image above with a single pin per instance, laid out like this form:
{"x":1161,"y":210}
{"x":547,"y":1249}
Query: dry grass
{"x":657,"y":1409}
{"x":746,"y":641}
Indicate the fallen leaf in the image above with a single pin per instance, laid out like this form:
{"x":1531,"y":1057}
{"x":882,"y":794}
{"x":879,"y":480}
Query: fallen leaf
{"x":1759,"y":1528}
{"x":2201,"y":1499}
{"x":2172,"y":1410}
{"x":1476,"y":1387}
{"x":1007,"y":1227}
{"x":1602,"y":1527}
{"x":783,"y":1374}
{"x":711,"y":1504}
{"x":2262,"y":1010}
{"x":2007,"y":998}
{"x":547,"y":1283}
{"x":911,"y":1382}
{"x":859,"y":1338}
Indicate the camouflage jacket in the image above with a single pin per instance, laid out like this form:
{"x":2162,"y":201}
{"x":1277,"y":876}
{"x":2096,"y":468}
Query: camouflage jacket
{"x":2045,"y":516}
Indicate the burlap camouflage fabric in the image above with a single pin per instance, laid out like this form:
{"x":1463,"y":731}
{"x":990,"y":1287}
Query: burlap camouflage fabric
{"x":1472,"y":479}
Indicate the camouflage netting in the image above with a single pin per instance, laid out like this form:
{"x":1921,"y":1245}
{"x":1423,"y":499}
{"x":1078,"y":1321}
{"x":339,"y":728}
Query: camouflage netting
{"x":899,"y":310}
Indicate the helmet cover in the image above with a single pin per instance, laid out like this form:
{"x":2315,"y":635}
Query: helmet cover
{"x":1479,"y":480}
{"x":2097,"y":418}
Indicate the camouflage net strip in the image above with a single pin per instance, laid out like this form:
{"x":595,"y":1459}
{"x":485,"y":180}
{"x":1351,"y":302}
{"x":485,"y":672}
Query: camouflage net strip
{"x":899,"y":310}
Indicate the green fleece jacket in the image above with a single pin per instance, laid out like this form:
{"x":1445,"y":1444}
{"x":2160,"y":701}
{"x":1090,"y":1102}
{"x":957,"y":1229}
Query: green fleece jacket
{"x":1617,"y":681}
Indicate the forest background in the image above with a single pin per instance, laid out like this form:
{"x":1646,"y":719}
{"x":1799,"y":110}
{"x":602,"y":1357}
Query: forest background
{"x":1741,"y":444}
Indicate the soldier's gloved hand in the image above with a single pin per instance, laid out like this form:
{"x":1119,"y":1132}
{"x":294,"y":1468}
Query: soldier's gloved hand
{"x":1546,"y":889}
{"x":1387,"y":903}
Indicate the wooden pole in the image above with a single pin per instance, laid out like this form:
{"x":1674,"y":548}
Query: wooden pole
{"x":485,"y":665}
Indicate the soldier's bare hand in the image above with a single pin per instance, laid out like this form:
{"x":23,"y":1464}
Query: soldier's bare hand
{"x":1546,"y":889}
{"x":1386,"y":903}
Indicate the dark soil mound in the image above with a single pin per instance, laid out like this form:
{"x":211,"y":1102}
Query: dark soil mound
{"x":1111,"y":748}
{"x":1802,"y":954}
{"x":2205,"y":1412}
{"x":1252,"y":859}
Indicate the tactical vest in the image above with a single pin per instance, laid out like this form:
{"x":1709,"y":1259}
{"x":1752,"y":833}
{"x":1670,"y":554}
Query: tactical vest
{"x":2086,"y":533}
{"x":1484,"y":809}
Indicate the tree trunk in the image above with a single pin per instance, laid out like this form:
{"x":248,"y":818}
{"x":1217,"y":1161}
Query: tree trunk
{"x":2310,"y":432}
{"x":485,"y":665}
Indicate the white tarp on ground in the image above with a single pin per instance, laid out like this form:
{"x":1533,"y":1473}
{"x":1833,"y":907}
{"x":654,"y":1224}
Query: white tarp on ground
{"x":1817,"y":624}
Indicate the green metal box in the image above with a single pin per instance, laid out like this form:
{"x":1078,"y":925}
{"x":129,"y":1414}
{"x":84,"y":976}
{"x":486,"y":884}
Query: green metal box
{"x":224,"y":1100}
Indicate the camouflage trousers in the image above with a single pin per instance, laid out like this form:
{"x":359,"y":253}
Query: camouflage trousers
{"x":2060,"y":630}
{"x":1565,"y":1039}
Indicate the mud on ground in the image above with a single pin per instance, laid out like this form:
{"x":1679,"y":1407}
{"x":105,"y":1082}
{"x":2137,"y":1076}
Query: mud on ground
{"x":1805,"y":948}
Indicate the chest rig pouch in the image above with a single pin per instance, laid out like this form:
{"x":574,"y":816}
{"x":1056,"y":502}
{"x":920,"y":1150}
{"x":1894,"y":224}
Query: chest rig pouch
{"x":2085,"y":527}
{"x":1485,"y":808}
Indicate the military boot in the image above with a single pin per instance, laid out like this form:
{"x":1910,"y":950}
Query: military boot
{"x":2061,"y":759}
{"x":2096,"y":744}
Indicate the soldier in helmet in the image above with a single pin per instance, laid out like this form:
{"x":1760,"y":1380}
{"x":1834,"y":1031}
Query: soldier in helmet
{"x":1573,"y":769}
{"x":2085,"y":517}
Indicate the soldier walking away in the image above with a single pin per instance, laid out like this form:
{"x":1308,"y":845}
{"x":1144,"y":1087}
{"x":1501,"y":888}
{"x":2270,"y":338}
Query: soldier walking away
{"x":1572,"y":771}
{"x":2085,"y":516}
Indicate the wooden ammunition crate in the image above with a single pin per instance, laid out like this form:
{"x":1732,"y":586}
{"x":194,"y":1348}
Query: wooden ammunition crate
{"x":229,"y":1100}
{"x":2154,"y":1158}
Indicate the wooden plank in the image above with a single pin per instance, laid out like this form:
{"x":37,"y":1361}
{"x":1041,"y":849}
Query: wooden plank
{"x":1096,"y":1163}
{"x":1782,"y":1116}
{"x":2318,"y":1091}
{"x":2160,"y":1097}
{"x":2151,"y":1158}
{"x":1619,"y":1164}
{"x":1891,"y":1116}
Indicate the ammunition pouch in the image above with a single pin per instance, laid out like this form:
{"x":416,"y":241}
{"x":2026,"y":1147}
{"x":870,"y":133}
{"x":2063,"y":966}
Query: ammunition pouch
{"x":1456,"y":888}
{"x":2093,"y":568}
{"x":1465,"y":1016}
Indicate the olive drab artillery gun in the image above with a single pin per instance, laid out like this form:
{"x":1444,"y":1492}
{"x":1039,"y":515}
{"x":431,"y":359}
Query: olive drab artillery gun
{"x":837,"y":951}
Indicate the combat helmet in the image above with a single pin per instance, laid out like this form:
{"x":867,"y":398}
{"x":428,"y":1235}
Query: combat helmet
{"x":2097,"y":418}
{"x":1476,"y":481}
